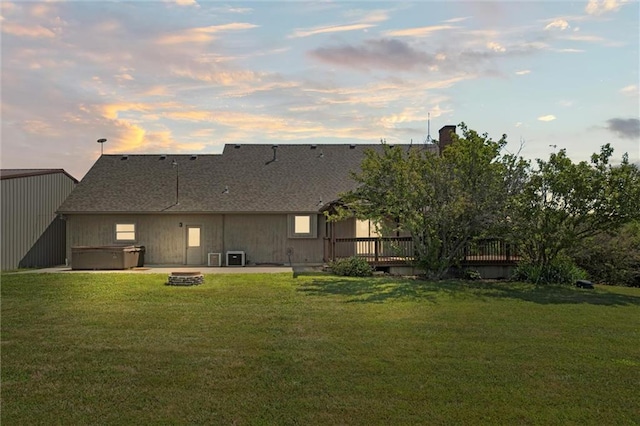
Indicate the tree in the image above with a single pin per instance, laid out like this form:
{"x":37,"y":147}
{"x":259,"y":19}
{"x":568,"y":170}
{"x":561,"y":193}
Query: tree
{"x":442,"y":202}
{"x":563,"y":203}
{"x":611,"y":258}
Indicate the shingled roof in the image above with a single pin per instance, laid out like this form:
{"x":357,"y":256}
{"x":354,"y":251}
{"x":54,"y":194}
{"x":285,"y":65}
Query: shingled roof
{"x":244,"y":178}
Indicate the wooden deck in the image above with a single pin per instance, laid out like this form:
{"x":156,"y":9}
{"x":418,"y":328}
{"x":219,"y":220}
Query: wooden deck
{"x":398,"y":251}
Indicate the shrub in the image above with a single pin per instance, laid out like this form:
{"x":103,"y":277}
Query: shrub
{"x":559,"y":271}
{"x":351,"y":267}
{"x":472,"y":274}
{"x":612,"y":258}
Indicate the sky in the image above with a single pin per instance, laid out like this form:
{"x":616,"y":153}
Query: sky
{"x":188,"y":76}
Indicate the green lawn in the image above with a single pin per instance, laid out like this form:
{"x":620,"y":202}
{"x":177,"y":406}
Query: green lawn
{"x":273,"y":349}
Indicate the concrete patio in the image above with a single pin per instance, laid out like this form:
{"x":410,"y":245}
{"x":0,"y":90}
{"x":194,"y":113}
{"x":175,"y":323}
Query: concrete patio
{"x":167,"y":269}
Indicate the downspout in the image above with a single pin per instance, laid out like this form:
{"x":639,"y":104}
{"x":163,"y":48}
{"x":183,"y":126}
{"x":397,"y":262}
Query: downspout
{"x":223,"y":255}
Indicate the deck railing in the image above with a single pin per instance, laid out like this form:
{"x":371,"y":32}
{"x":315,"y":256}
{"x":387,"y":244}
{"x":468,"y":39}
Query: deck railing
{"x":399,"y":250}
{"x":490,"y":250}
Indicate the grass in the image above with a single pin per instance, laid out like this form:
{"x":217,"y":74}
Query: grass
{"x":274,"y":349}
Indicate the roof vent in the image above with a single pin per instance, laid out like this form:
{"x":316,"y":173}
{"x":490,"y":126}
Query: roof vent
{"x":236,"y":146}
{"x":321,"y":155}
{"x":314,"y":146}
{"x":163,"y":157}
{"x":352,"y":146}
{"x":124,"y":157}
{"x":194,"y":157}
{"x":275,"y":155}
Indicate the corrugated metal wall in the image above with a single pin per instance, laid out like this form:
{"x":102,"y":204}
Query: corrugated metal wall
{"x":31,"y":233}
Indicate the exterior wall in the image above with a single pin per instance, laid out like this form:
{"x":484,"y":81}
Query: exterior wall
{"x":263,"y":237}
{"x":32,"y":235}
{"x":161,"y":235}
{"x":345,"y":229}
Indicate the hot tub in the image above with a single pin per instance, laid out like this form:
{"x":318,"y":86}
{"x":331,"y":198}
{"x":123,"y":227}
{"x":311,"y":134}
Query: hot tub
{"x":106,"y":257}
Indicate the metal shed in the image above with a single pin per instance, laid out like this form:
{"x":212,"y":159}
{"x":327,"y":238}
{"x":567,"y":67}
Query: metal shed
{"x":32,"y":234}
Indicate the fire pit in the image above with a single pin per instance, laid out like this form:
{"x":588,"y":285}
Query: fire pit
{"x":185,"y":278}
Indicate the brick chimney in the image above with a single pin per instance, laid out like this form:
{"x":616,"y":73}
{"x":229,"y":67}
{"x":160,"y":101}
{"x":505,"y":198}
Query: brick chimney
{"x":445,"y":137}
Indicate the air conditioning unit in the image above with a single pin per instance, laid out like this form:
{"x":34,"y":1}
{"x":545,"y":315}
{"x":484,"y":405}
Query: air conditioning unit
{"x":214,"y":259}
{"x":235,"y":258}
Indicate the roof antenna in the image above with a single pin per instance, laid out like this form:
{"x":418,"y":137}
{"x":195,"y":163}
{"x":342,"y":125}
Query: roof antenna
{"x":429,"y":139}
{"x":101,"y":142}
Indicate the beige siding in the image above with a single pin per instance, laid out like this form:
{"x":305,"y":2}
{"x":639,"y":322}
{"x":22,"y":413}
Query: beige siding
{"x":163,"y":237}
{"x":345,"y":229}
{"x":31,"y":233}
{"x":263,"y":237}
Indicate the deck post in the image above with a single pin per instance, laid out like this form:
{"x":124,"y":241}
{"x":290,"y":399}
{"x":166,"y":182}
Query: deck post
{"x":333,"y":241}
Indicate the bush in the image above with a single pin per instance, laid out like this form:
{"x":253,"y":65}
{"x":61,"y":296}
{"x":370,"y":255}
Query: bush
{"x":612,"y":258}
{"x":472,"y":274}
{"x":351,"y":267}
{"x":560,"y":271}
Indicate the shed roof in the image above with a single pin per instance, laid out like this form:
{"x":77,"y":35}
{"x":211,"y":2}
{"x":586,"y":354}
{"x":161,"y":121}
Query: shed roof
{"x":20,"y":173}
{"x":244,"y":178}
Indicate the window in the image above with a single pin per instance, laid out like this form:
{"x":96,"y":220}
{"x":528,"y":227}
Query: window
{"x":125,"y":232}
{"x":303,"y":226}
{"x":194,"y":237}
{"x":366,"y":228}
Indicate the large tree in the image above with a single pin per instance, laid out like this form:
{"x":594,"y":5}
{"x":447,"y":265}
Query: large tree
{"x":563,"y":203}
{"x":441,"y":201}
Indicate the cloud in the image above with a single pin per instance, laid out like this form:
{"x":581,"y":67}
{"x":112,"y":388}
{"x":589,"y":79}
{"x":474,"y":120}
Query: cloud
{"x":186,"y":2}
{"x":625,"y":128}
{"x":367,"y":21}
{"x":202,"y":34}
{"x":406,"y":115}
{"x":385,"y":53}
{"x":32,"y":31}
{"x":224,"y":78}
{"x":547,"y":118}
{"x":419,"y":31}
{"x":329,"y":29}
{"x":631,"y":90}
{"x":600,"y":7}
{"x":39,"y":127}
{"x":496,"y":47}
{"x":468,"y":52}
{"x":585,"y":38}
{"x":455,"y":20}
{"x":560,"y":24}
{"x":568,"y":50}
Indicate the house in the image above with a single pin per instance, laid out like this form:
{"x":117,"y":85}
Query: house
{"x":259,"y":204}
{"x":32,"y":234}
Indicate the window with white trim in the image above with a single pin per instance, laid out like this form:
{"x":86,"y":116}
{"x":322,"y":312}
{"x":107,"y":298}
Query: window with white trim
{"x":125,"y":231}
{"x":303,"y":226}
